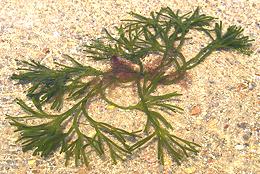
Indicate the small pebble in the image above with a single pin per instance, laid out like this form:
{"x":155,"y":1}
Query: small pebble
{"x":46,"y":50}
{"x":240,"y":87}
{"x":226,"y":126}
{"x":196,"y":110}
{"x":246,"y":136}
{"x":31,"y":162}
{"x":190,"y":170}
{"x":35,"y":171}
{"x":239,"y":147}
{"x":246,"y":145}
{"x":243,"y":125}
{"x":111,"y":107}
{"x":251,"y":86}
{"x":56,"y":34}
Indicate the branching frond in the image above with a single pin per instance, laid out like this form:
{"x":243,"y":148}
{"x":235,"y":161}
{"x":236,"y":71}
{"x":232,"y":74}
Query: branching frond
{"x":49,"y":85}
{"x":233,"y":39}
{"x":43,"y":139}
{"x":163,"y":34}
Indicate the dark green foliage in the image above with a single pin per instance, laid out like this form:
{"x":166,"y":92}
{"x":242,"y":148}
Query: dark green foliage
{"x":43,"y":138}
{"x":163,"y":33}
{"x":49,"y":85}
{"x":232,"y":39}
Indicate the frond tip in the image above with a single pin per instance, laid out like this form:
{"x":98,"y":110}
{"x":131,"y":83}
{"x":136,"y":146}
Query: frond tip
{"x":233,"y":39}
{"x":43,"y":139}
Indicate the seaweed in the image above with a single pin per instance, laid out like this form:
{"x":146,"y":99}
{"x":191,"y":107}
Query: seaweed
{"x":163,"y":34}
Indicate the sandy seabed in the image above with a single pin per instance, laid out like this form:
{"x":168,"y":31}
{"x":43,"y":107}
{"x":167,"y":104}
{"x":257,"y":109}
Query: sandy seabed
{"x":225,"y":87}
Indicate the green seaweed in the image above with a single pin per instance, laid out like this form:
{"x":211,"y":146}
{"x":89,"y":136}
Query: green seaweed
{"x":163,"y":33}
